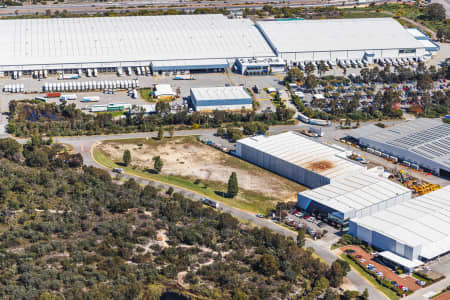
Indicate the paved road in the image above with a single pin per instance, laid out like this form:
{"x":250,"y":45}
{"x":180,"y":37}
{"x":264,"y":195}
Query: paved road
{"x":83,"y":145}
{"x":94,"y":8}
{"x":441,"y":266}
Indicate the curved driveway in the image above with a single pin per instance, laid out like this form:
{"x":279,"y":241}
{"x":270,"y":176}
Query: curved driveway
{"x":84,"y":145}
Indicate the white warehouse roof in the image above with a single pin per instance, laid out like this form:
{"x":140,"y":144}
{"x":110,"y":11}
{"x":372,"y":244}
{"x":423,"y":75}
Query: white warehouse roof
{"x":337,"y":34}
{"x":356,"y":192}
{"x":416,"y":33}
{"x":222,"y":93}
{"x":422,"y":221}
{"x":298,"y":150}
{"x":128,"y":39}
{"x":164,"y":90}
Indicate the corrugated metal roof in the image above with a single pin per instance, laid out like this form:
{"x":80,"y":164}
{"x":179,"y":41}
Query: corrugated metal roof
{"x":429,"y":138}
{"x":337,"y":34}
{"x":122,"y":39}
{"x":422,"y":221}
{"x":355,"y":192}
{"x":164,"y":90}
{"x":416,"y":33}
{"x":401,"y":260}
{"x":221,"y":92}
{"x":301,"y":151}
{"x":191,"y":62}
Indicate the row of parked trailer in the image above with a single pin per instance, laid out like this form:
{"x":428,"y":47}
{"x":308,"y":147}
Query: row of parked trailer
{"x":353,"y":63}
{"x":90,"y":85}
{"x":137,"y":70}
{"x":393,"y":159}
{"x":14,"y":88}
{"x":399,"y":61}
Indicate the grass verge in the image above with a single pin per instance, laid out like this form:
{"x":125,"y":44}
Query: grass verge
{"x":145,"y":94}
{"x":246,"y":200}
{"x":389,"y":293}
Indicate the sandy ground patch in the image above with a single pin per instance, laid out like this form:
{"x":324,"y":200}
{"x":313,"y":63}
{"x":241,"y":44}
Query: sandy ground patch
{"x":188,"y":158}
{"x":348,"y":285}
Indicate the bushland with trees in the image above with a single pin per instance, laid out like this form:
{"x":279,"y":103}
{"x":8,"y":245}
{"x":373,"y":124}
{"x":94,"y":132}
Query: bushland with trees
{"x":70,"y":232}
{"x":28,"y":117}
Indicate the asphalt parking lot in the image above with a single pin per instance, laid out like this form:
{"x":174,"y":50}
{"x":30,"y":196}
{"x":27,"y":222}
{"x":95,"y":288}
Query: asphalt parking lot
{"x":367,"y":258}
{"x":34,"y":87}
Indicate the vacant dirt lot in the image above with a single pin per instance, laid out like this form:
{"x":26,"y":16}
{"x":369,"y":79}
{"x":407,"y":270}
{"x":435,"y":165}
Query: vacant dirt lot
{"x":186,"y":157}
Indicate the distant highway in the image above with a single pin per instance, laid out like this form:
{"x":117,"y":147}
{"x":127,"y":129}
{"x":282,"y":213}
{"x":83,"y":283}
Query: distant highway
{"x":94,"y":8}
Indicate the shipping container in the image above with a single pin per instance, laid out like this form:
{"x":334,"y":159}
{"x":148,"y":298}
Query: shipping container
{"x":53,"y":95}
{"x":68,"y":76}
{"x":69,"y":97}
{"x":98,"y":108}
{"x":91,"y":99}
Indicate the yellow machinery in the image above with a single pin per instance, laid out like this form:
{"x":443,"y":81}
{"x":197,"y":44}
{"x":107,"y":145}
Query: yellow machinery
{"x":412,"y":183}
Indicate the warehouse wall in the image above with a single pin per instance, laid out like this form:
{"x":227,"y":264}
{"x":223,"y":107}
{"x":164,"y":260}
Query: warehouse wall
{"x":281,"y":167}
{"x":345,"y":54}
{"x":379,"y":206}
{"x":224,"y":107}
{"x":384,"y":242}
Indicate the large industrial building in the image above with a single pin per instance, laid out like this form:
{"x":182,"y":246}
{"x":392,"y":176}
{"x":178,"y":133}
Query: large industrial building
{"x":315,"y":40}
{"x":410,"y":232}
{"x":352,"y":196}
{"x":168,"y":42}
{"x":422,"y":142}
{"x":298,"y":158}
{"x":197,"y":43}
{"x":221,"y":98}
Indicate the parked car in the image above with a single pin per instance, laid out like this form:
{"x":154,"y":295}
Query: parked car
{"x":259,"y":216}
{"x":118,"y":170}
{"x":358,"y":256}
{"x":379,"y":274}
{"x":362,"y":260}
{"x":421,"y":282}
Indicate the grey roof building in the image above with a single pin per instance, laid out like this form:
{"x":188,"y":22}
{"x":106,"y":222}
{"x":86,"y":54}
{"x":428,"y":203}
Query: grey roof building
{"x":425,"y":142}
